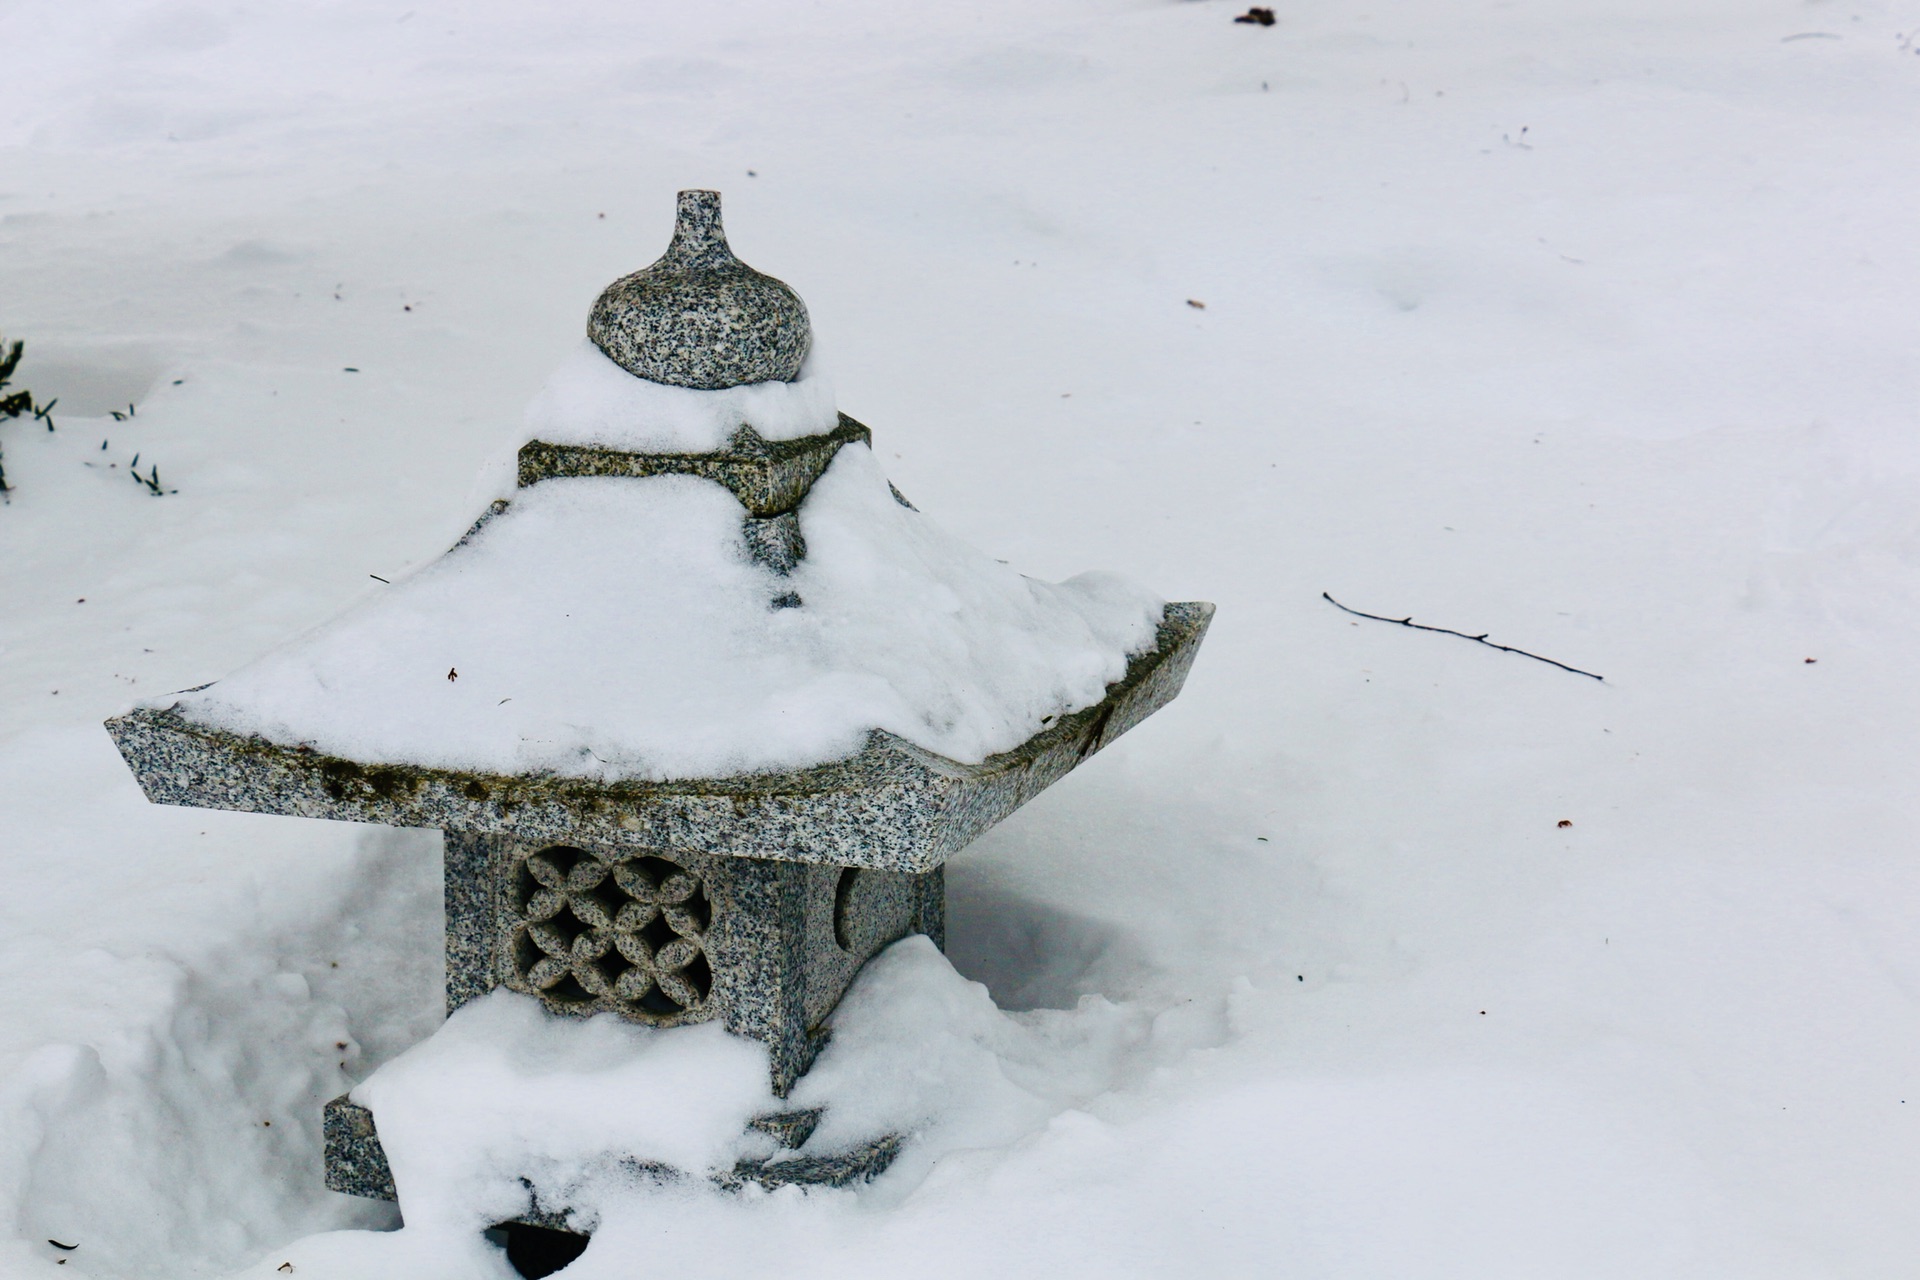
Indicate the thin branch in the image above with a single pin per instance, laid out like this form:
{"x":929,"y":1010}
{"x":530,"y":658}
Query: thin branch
{"x":1479,"y":639}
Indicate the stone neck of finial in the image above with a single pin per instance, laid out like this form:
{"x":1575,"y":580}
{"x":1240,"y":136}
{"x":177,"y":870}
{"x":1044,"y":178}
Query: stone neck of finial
{"x":699,"y":241}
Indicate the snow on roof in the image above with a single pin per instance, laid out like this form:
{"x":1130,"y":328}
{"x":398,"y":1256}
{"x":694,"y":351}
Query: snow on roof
{"x":590,"y":400}
{"x":618,"y":629}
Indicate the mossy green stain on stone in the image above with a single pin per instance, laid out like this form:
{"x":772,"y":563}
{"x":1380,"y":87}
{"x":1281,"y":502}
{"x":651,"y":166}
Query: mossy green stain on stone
{"x":769,"y":477}
{"x":341,"y":779}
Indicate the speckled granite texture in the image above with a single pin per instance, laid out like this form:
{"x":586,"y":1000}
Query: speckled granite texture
{"x":890,"y":807}
{"x":840,"y":1169}
{"x":770,"y":477}
{"x":356,"y":1163}
{"x":768,"y":948}
{"x":790,"y":1129}
{"x":700,"y":317}
{"x":775,"y":542}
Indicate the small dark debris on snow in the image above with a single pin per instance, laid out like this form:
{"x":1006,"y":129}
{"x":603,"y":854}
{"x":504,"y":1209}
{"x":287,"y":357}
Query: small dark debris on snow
{"x":349,"y":369}
{"x":1196,"y":304}
{"x":150,"y":480}
{"x":1564,"y":823}
{"x":452,"y":675}
{"x":1810,"y":661}
{"x":1257,"y":17}
{"x":377,"y":578}
{"x":68,"y":1247}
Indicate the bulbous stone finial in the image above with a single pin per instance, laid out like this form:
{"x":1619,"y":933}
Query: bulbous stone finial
{"x":700,"y":317}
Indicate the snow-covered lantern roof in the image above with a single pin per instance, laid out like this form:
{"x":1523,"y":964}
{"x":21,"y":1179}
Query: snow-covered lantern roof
{"x":703,"y":617}
{"x":703,"y":706}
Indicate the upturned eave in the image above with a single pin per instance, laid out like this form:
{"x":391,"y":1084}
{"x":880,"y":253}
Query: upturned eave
{"x":890,"y":806}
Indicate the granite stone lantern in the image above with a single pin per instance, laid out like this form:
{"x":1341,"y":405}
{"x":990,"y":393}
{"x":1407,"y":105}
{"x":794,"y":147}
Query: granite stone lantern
{"x":751,"y":895}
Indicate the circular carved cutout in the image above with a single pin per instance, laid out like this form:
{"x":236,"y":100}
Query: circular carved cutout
{"x":628,"y":935}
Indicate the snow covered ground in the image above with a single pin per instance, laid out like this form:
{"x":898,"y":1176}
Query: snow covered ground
{"x":1590,"y":324}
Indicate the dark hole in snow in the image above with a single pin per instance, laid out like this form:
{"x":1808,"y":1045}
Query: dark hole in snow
{"x":537,"y":1251}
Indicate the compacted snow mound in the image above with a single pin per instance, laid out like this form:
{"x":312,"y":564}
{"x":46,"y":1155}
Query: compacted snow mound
{"x":505,"y":1091}
{"x":617,"y":628}
{"x":591,"y":400}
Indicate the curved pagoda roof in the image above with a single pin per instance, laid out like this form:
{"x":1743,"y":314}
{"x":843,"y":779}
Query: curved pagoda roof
{"x":743,"y":640}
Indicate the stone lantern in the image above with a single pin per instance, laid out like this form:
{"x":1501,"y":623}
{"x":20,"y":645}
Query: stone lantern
{"x":590,"y":866}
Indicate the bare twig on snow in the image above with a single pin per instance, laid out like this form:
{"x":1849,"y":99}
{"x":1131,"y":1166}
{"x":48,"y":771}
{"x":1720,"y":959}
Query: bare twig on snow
{"x":1445,"y":631}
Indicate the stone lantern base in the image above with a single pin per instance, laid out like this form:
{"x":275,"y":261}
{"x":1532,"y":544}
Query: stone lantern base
{"x":357,"y":1165}
{"x":666,"y":937}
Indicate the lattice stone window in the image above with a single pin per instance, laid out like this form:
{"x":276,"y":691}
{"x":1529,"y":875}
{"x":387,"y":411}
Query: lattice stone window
{"x":628,"y":935}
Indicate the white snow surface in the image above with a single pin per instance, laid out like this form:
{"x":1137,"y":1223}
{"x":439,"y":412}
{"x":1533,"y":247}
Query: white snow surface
{"x":591,"y":400}
{"x":505,"y":1094}
{"x":616,"y":628}
{"x":1586,"y":324}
